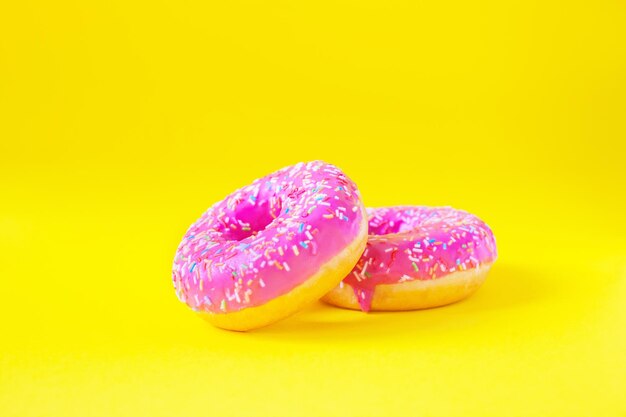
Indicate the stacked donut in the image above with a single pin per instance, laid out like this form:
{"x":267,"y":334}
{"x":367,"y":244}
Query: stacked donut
{"x":302,"y":233}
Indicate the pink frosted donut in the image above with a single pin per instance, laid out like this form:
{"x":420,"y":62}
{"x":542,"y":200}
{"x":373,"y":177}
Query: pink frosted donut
{"x":271,"y":247}
{"x":417,"y":257}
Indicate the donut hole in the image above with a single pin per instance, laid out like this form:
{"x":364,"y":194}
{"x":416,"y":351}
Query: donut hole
{"x":390,"y":227}
{"x":248,"y":220}
{"x":394,"y":225}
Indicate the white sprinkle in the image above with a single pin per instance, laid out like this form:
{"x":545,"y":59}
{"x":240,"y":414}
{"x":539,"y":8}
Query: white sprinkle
{"x":404,"y":278}
{"x":364,"y":268}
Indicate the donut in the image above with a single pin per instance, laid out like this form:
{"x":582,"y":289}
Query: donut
{"x":271,"y":247}
{"x":417,"y":257}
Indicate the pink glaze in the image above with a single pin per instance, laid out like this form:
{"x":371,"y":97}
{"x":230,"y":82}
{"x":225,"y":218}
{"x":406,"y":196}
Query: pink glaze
{"x":419,"y":243}
{"x":267,"y":238}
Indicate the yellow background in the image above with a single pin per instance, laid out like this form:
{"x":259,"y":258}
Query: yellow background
{"x":121,"y":121}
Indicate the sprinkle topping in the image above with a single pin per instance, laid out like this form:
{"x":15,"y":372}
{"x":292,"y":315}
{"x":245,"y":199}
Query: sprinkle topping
{"x":266,"y":238}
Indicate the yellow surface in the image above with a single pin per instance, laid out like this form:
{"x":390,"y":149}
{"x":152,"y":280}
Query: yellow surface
{"x":121,"y":121}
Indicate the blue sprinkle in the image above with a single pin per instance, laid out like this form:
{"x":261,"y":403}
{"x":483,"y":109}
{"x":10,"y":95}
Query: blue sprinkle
{"x":431,"y":240}
{"x":301,"y":228}
{"x":304,"y":245}
{"x":287,"y":210}
{"x":193,"y":266}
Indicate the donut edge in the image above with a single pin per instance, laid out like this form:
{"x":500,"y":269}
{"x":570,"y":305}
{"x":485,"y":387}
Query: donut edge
{"x":416,"y":294}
